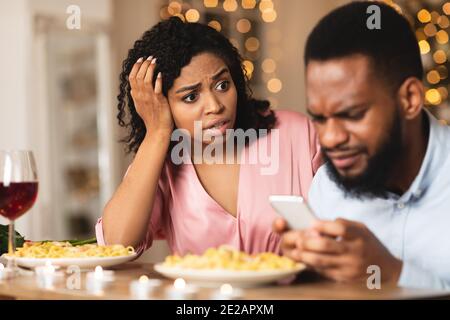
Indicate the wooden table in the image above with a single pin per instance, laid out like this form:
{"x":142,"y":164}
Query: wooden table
{"x":307,"y":286}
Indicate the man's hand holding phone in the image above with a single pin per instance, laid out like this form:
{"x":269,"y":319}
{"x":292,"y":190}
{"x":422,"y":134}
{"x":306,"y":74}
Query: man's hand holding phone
{"x":340,"y":250}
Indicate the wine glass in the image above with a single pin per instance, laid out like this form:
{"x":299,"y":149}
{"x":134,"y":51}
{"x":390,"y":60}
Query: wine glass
{"x":18,"y":192}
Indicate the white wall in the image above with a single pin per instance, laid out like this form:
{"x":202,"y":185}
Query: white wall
{"x":15,"y":35}
{"x":21,"y":119}
{"x":98,"y":10}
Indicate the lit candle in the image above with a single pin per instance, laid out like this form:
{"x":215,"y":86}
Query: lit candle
{"x":227,"y":292}
{"x":98,"y":280}
{"x":181,"y":291}
{"x":2,"y":272}
{"x":142,"y":289}
{"x":46,"y":275}
{"x":6,"y":272}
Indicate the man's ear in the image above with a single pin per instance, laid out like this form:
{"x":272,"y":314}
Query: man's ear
{"x":411,"y":97}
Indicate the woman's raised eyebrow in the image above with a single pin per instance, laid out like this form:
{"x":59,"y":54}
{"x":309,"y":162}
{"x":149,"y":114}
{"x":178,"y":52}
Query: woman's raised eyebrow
{"x":218,"y":74}
{"x":189,"y":88}
{"x":197,"y":85}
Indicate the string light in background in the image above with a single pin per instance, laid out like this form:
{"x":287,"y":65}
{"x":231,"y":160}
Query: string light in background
{"x":230,"y":5}
{"x":215,"y":24}
{"x":249,"y":68}
{"x":265,"y":5}
{"x":174,"y":8}
{"x":433,"y":38}
{"x":424,"y":16}
{"x":433,"y":77}
{"x":248,"y":4}
{"x":446,"y":8}
{"x":424,"y":46}
{"x":192,"y":15}
{"x":217,"y":13}
{"x":440,"y":57}
{"x":274,"y":85}
{"x":252,"y":44}
{"x":269,"y":65}
{"x":243,"y":26}
{"x":433,"y":96}
{"x":431,"y":23}
{"x":210,"y":3}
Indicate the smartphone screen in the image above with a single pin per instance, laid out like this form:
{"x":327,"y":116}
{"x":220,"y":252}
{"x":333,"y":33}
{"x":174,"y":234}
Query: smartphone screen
{"x":294,"y":210}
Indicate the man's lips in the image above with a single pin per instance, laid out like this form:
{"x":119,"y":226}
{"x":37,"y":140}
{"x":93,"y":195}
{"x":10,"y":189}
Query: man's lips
{"x":344,"y":160}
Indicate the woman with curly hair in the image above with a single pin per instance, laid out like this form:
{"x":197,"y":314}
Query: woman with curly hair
{"x":175,"y":75}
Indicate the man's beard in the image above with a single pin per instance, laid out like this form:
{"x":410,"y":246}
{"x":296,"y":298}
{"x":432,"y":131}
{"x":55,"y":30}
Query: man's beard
{"x":372,"y":182}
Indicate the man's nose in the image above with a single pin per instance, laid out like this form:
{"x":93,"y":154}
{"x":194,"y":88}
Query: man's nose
{"x":333,"y":134}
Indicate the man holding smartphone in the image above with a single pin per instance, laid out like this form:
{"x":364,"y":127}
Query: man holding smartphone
{"x":383,"y":196}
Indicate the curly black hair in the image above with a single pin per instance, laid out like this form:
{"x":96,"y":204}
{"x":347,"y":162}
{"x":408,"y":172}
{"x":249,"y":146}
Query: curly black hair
{"x":174,"y":43}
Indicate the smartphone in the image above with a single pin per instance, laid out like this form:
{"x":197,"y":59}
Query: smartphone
{"x":294,"y":210}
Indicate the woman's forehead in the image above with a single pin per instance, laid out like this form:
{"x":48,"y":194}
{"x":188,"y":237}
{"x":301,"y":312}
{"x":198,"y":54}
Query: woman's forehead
{"x":202,"y":66}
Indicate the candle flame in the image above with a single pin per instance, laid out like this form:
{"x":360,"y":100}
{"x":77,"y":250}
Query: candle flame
{"x":98,"y":274}
{"x":226,"y":289}
{"x":143,"y":279}
{"x":49,"y":268}
{"x":179,"y":284}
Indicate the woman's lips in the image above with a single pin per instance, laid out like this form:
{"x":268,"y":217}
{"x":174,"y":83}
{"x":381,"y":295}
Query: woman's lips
{"x":217,"y":131}
{"x":345,"y":162}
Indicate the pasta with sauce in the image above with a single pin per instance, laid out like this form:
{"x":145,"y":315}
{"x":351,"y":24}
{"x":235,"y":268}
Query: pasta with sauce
{"x":56,"y":249}
{"x":228,"y":258}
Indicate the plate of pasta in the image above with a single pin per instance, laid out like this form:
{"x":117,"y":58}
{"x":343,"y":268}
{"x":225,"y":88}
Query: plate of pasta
{"x":64,"y":254}
{"x":226,"y":265}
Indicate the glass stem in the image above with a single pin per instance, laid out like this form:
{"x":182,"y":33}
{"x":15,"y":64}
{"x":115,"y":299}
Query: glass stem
{"x":11,"y":244}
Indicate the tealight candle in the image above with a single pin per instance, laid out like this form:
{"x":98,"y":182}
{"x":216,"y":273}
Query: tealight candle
{"x":142,"y":289}
{"x":6,"y":272}
{"x":2,"y":272}
{"x":181,"y":291}
{"x":98,"y":280}
{"x":227,"y":292}
{"x":46,"y":275}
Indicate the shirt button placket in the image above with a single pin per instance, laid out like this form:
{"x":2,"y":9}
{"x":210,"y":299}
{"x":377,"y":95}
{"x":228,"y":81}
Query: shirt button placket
{"x":401,"y":217}
{"x":400,"y":205}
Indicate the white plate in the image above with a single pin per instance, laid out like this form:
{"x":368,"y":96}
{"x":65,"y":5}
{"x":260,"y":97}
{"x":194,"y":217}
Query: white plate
{"x":83,"y":263}
{"x":217,"y":277}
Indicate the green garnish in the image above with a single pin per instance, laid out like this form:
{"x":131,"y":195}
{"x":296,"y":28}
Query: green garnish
{"x":75,"y":242}
{"x":4,"y":239}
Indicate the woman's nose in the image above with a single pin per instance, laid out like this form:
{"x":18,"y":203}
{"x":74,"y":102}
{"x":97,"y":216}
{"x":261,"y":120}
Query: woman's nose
{"x":213,"y":105}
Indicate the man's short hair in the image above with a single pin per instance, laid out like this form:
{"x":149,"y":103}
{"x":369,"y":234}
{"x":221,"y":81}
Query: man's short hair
{"x":393,"y":49}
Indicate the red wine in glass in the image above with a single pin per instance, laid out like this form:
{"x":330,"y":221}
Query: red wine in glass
{"x":18,"y":192}
{"x":17,"y":198}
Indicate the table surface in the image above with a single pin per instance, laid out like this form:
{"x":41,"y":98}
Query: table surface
{"x":307,"y":286}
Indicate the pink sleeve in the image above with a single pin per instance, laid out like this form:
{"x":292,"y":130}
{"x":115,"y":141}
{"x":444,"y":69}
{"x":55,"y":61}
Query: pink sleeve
{"x":315,"y":149}
{"x":155,"y":228}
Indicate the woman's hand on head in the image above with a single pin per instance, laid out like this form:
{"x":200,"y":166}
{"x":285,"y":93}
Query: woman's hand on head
{"x":150,"y":103}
